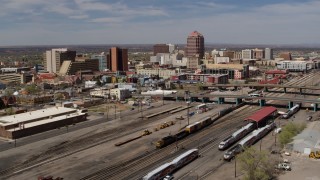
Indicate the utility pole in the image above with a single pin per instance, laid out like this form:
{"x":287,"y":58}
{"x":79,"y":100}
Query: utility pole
{"x":188,"y":112}
{"x":141,"y":109}
{"x":115,"y":112}
{"x":162,"y":96}
{"x":188,"y":102}
{"x":107,"y":107}
{"x":235,"y":166}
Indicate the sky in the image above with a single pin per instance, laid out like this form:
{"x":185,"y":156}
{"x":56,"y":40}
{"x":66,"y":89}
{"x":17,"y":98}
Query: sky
{"x":72,"y":22}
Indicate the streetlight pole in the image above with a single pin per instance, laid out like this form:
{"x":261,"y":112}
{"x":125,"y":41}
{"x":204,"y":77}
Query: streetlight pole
{"x":188,"y":112}
{"x":115,"y":112}
{"x":235,"y":166}
{"x":141,"y":109}
{"x":162,"y":96}
{"x":188,"y":102}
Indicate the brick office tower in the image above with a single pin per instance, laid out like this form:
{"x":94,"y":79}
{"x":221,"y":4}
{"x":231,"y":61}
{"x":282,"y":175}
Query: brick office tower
{"x":160,"y":48}
{"x":117,"y":59}
{"x":195,"y":45}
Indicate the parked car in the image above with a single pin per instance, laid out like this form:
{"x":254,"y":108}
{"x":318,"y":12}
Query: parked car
{"x":284,"y":166}
{"x":278,"y":130}
{"x":287,"y":154}
{"x":168,"y":177}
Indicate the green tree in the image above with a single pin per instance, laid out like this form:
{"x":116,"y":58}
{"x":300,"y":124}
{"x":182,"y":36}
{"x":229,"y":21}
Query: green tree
{"x":289,"y":131}
{"x":9,"y":111}
{"x":256,"y":165}
{"x":32,"y":89}
{"x":8,"y":92}
{"x":58,"y":96}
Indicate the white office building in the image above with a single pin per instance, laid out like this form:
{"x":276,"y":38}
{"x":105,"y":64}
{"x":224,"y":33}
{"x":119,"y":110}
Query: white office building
{"x":247,"y":54}
{"x":54,"y":58}
{"x":297,"y":66}
{"x":268,"y":53}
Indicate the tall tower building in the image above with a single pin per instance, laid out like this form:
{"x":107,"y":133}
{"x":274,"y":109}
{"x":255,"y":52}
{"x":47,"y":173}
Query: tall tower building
{"x":258,"y":53}
{"x":195,"y":45}
{"x":54,"y":58}
{"x":102,"y":60}
{"x":160,"y":48}
{"x":247,"y":54}
{"x":268,"y":53}
{"x":117,"y":60}
{"x":285,"y":55}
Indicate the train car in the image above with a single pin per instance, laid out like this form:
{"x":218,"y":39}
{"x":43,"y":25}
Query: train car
{"x":291,"y":111}
{"x":205,"y":122}
{"x":264,"y":131}
{"x":160,"y":172}
{"x":231,"y":153}
{"x":165,"y":141}
{"x":248,"y":141}
{"x":236,"y":136}
{"x":185,"y":158}
{"x":193,"y":127}
{"x":182,"y":134}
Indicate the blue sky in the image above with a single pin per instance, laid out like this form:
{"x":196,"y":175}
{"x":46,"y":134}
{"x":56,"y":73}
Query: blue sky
{"x":52,"y":22}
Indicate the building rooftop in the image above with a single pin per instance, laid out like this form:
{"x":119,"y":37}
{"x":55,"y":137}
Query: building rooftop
{"x":32,"y":115}
{"x":195,"y":33}
{"x":262,"y":113}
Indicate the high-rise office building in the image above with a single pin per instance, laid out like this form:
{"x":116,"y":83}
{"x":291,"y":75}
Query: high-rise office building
{"x":258,"y":53}
{"x":102,"y":60}
{"x":247,"y":54}
{"x":268,"y":53}
{"x":117,"y":59}
{"x":54,"y":58}
{"x":286,"y":56}
{"x":160,"y":48}
{"x":195,"y":45}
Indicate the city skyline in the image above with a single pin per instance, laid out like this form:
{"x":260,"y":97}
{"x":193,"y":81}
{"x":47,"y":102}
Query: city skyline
{"x":37,"y":22}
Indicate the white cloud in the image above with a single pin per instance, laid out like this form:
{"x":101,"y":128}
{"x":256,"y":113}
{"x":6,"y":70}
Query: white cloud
{"x":83,"y":16}
{"x":108,"y":20}
{"x":276,"y":23}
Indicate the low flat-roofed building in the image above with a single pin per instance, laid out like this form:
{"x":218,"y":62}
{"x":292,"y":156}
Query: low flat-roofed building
{"x":33,"y":122}
{"x":120,"y":94}
{"x":295,"y":66}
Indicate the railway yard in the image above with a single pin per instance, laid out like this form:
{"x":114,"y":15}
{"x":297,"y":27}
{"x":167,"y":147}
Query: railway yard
{"x":121,"y":148}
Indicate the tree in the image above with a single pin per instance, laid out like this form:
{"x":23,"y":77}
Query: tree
{"x":58,"y":96}
{"x":8,"y":92}
{"x":256,"y":165}
{"x":9,"y":111}
{"x":32,"y":89}
{"x":289,"y":131}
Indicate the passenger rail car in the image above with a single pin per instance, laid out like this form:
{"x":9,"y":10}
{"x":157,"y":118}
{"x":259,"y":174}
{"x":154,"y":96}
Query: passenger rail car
{"x":170,"y":167}
{"x":236,"y":136}
{"x":291,"y":111}
{"x":160,"y":172}
{"x":248,"y":141}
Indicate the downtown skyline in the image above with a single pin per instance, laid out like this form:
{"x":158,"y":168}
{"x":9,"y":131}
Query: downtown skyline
{"x":38,"y":22}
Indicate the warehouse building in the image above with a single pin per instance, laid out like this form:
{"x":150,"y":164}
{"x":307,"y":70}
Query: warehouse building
{"x":33,"y":122}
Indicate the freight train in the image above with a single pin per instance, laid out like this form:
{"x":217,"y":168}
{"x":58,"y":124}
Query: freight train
{"x":170,"y":167}
{"x":192,"y":128}
{"x":236,"y":136}
{"x":248,"y":141}
{"x":291,"y":111}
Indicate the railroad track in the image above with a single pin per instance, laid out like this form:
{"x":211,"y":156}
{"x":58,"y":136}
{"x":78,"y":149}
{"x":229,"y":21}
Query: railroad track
{"x":299,"y":81}
{"x":68,"y":148}
{"x":135,"y":169}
